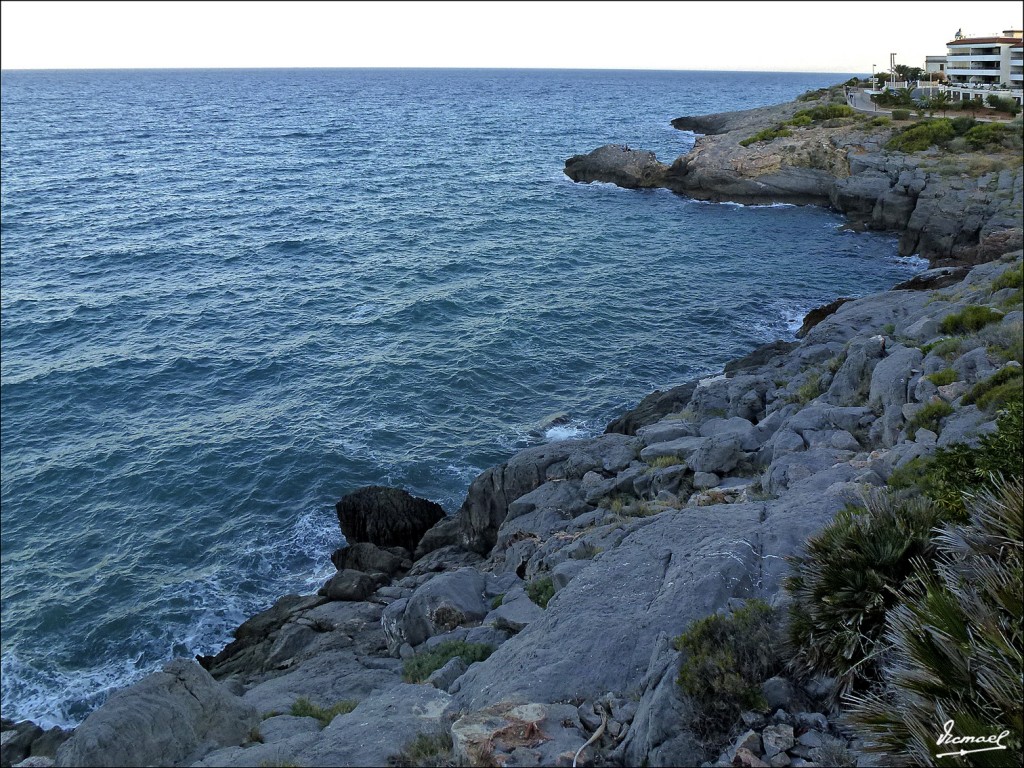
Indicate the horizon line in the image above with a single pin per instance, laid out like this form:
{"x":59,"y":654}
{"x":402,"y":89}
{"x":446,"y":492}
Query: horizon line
{"x":455,"y":68}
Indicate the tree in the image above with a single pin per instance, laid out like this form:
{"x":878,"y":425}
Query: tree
{"x":941,"y":101}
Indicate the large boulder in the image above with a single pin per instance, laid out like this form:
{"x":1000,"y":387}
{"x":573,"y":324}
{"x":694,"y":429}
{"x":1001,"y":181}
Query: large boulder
{"x":169,"y":717}
{"x":387,"y":517}
{"x":446,"y":601}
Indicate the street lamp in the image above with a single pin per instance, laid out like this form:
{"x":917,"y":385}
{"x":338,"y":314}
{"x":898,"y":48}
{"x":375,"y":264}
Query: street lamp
{"x":873,"y":86}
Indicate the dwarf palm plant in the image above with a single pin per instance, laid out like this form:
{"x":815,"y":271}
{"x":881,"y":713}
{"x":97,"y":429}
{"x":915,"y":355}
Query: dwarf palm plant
{"x":957,"y":644}
{"x":849,"y":577}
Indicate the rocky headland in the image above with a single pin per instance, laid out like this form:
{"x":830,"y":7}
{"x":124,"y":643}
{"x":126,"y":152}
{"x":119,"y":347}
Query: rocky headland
{"x":950,"y":209}
{"x":535,"y":626}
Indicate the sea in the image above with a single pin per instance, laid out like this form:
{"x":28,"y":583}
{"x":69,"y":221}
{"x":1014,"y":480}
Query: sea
{"x":230,"y":297}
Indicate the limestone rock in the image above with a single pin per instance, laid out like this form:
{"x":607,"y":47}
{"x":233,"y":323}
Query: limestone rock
{"x":378,"y":727}
{"x":167,"y":717}
{"x":349,"y":585}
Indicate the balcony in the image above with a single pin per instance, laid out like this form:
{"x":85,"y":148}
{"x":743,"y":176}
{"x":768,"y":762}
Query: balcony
{"x":974,"y":57}
{"x":987,"y":73}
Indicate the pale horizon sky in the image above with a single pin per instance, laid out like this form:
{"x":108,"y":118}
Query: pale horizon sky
{"x":739,"y":36}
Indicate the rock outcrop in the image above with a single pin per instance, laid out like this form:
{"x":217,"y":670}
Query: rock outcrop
{"x":617,"y":164}
{"x":946,"y":217}
{"x":387,"y":517}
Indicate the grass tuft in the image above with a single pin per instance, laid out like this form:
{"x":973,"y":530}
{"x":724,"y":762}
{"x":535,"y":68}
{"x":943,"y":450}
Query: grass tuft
{"x":422,"y":665}
{"x":303,"y":707}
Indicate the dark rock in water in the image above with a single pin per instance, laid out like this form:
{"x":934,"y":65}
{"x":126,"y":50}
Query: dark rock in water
{"x":941,"y":277}
{"x":815,"y":316}
{"x":617,"y":164}
{"x":172,"y":716}
{"x":652,"y":408}
{"x":386,"y":517}
{"x":370,"y":558}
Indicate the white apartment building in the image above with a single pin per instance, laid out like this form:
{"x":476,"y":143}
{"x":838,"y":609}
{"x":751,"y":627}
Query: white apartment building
{"x":975,"y":66}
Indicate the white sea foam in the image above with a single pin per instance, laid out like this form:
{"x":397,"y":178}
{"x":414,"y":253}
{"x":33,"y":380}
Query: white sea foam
{"x":563,"y":432}
{"x":914,"y":261}
{"x":52,"y":696}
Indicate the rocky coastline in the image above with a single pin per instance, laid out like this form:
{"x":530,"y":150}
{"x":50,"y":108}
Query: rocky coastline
{"x":947,"y":212}
{"x":535,"y":625}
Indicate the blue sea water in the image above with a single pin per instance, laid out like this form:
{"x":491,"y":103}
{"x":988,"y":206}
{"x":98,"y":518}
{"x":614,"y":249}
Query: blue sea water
{"x":231,"y":297}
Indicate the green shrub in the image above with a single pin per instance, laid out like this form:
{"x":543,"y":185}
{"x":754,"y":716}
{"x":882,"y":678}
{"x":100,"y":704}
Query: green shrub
{"x":986,"y":134}
{"x":825,"y":112}
{"x":800,"y":121}
{"x":427,"y":750}
{"x":956,"y":643}
{"x":766,"y":135}
{"x":725,"y":660}
{"x":847,"y":579}
{"x":930,"y":417}
{"x":1011,"y":278}
{"x":1005,"y":341}
{"x":922,"y":135}
{"x":1003,"y":104}
{"x":942,"y":378}
{"x":901,"y":114}
{"x":955,"y":470}
{"x":946,"y":348}
{"x":303,"y":707}
{"x":880,"y":121}
{"x":962,"y":124}
{"x":812,"y":95}
{"x":972,"y":318}
{"x":497,"y":601}
{"x":997,"y":389}
{"x":419,"y":667}
{"x":541,"y":590}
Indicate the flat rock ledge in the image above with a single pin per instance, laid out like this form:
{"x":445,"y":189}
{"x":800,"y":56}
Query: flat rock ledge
{"x":575,"y":563}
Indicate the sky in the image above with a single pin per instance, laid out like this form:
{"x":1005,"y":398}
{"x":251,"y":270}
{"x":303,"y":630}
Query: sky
{"x":742,"y":36}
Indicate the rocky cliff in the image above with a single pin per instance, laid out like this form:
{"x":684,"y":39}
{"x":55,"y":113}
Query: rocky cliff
{"x":948,"y":208}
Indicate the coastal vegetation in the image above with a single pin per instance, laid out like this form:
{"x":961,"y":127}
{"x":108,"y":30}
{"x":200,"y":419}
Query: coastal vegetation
{"x":953,"y":644}
{"x":945,"y":133}
{"x":418,"y":668}
{"x":848,"y":579}
{"x":725,"y":659}
{"x":767,"y":135}
{"x":541,"y":590}
{"x":303,"y":707}
{"x":426,"y":750}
